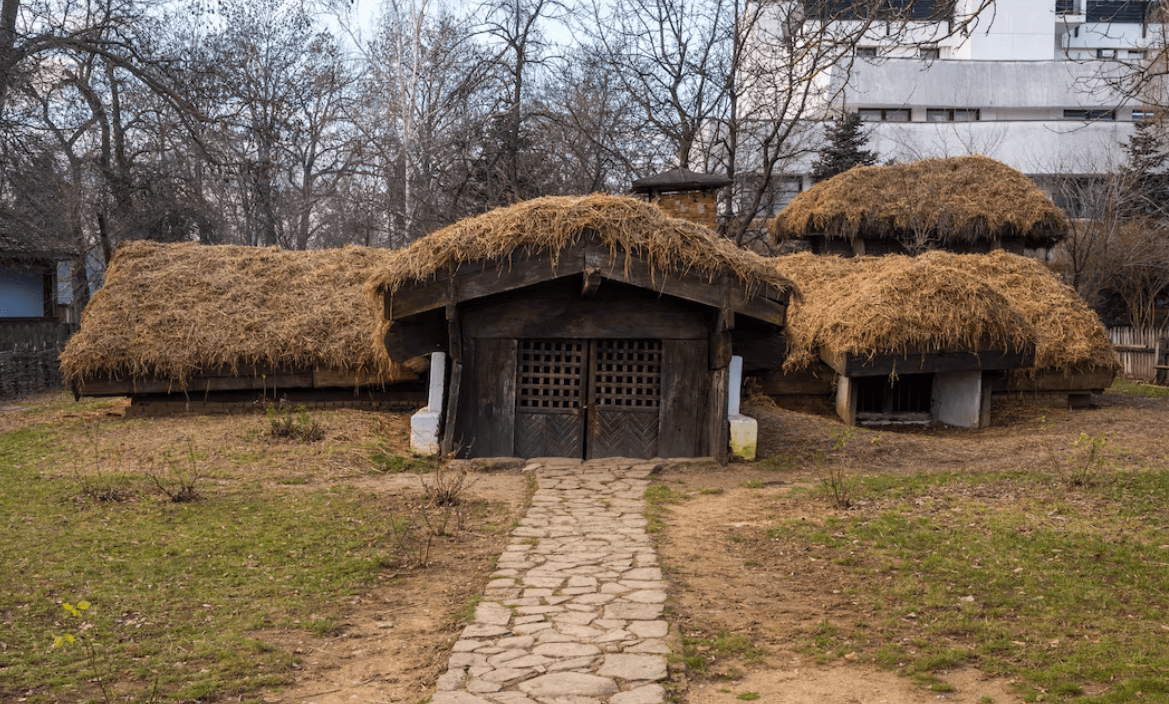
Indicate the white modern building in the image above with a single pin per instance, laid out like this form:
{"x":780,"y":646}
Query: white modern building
{"x":1031,"y":83}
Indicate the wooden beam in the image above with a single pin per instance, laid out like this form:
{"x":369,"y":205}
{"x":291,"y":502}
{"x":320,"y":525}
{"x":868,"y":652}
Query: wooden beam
{"x":198,"y":384}
{"x":925,"y":363}
{"x":476,"y":280}
{"x":804,"y":383}
{"x":1096,"y":380}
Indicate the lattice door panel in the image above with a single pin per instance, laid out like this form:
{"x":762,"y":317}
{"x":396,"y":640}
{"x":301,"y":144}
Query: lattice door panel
{"x":550,"y":375}
{"x":550,"y":398}
{"x":627,"y":374}
{"x":625,"y":398}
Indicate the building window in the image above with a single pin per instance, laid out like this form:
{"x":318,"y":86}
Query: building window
{"x":1136,"y":54}
{"x":1080,"y":114}
{"x":952,"y":115}
{"x":866,"y":52}
{"x":1142,"y":115}
{"x":1069,"y":7}
{"x":1124,"y":11}
{"x":884,"y":115}
{"x":1106,"y":53}
{"x":929,"y":53}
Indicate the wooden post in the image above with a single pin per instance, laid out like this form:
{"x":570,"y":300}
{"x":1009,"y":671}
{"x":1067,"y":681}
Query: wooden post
{"x":455,"y":334}
{"x":721,"y":349}
{"x":717,"y":428}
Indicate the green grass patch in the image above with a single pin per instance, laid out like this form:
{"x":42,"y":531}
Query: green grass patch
{"x":658,"y":497}
{"x":178,"y":591}
{"x":396,"y":464}
{"x":1058,"y":594}
{"x":1128,"y":386}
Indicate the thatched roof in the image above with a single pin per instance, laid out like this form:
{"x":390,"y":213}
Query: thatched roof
{"x":21,"y":243}
{"x":940,"y":301}
{"x":627,"y":226}
{"x":172,"y":311}
{"x":944,"y":201}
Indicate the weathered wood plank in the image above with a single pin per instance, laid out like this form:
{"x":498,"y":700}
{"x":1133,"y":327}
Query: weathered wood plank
{"x":478,"y":280}
{"x":199,"y":384}
{"x":927,"y":363}
{"x":761,"y":350}
{"x":458,"y":402}
{"x":524,"y":317}
{"x":685,"y":399}
{"x":817,"y":382}
{"x":717,"y":428}
{"x":1097,"y":380}
{"x":417,"y":335}
{"x":494,"y":418}
{"x":341,"y":378}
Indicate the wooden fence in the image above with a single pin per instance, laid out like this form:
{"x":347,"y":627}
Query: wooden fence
{"x":1142,"y":353}
{"x":29,"y":351}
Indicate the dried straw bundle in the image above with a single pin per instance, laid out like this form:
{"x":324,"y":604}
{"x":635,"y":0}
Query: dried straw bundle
{"x":962,"y":199}
{"x":626,"y":225}
{"x":1069,"y":334}
{"x":894,"y":305}
{"x":174,"y":311}
{"x":939,"y":301}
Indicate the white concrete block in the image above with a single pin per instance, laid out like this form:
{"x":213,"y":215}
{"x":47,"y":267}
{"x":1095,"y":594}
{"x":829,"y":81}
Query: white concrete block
{"x":424,"y":432}
{"x":744,"y":436}
{"x":424,"y":424}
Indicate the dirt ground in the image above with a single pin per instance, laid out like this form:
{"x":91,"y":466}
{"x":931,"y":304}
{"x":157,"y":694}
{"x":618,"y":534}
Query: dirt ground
{"x":395,"y":639}
{"x":776,"y":594}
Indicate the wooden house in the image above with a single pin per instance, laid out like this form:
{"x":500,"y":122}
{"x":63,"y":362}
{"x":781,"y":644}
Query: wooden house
{"x":965,"y":205}
{"x":190,"y":327}
{"x":28,"y":275}
{"x":581,"y":327}
{"x":902,"y":339}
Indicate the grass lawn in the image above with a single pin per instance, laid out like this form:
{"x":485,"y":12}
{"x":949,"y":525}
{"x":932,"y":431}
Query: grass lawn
{"x":1036,"y":552}
{"x":1065,"y":590}
{"x":283,"y":534}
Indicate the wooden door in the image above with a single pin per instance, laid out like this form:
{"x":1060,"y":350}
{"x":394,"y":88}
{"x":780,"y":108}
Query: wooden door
{"x":550,"y":398}
{"x":625,"y":398}
{"x":588,"y":398}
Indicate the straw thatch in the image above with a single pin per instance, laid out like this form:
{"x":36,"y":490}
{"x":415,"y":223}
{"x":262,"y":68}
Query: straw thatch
{"x":940,"y":301}
{"x":944,"y":201}
{"x":174,"y":311}
{"x":628,"y":227}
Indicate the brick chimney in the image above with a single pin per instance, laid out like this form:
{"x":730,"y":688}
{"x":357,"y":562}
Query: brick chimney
{"x":682,"y":193}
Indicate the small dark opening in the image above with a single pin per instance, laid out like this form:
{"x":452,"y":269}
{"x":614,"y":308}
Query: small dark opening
{"x":907,"y":394}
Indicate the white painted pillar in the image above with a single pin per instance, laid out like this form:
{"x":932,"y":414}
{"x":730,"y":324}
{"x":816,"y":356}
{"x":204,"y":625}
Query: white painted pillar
{"x":744,"y":432}
{"x":424,"y":424}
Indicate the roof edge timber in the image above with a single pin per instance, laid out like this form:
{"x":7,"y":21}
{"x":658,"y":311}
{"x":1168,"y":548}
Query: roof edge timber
{"x":472,"y":280}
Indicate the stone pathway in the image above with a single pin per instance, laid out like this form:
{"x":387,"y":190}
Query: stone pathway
{"x":573,"y":614}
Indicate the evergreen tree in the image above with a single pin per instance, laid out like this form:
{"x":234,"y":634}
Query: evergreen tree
{"x":844,"y":148}
{"x":1146,"y":158}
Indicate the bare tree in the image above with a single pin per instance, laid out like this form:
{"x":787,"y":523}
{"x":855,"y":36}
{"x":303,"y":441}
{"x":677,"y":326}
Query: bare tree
{"x":425,"y":97}
{"x":514,"y":28}
{"x":742,"y":86}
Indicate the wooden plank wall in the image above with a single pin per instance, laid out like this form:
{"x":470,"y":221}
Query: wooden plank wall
{"x":30,"y":332}
{"x":29,"y":352}
{"x":1141,"y":352}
